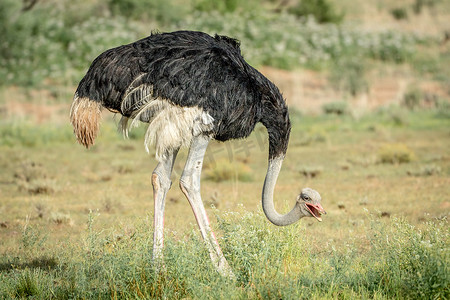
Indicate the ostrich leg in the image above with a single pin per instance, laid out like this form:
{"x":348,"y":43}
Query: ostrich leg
{"x":190,"y":185}
{"x":161,"y":184}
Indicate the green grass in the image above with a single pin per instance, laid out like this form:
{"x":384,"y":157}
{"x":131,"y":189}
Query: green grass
{"x":395,"y":260}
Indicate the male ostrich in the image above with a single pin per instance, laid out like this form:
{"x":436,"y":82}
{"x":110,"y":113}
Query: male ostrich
{"x":190,"y":87}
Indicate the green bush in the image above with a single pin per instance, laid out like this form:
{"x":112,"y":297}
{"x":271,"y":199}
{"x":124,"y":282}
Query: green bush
{"x":348,"y":75}
{"x":336,"y":108}
{"x":163,"y":11}
{"x":399,"y":13}
{"x":427,"y":170}
{"x":443,"y":108}
{"x":223,"y":170}
{"x":413,"y":98}
{"x":395,"y":154}
{"x":322,"y":10}
{"x":419,"y":4}
{"x":225,"y":6}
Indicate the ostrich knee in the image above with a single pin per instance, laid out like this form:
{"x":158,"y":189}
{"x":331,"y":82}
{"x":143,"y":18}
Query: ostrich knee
{"x":161,"y":181}
{"x":188,"y":187}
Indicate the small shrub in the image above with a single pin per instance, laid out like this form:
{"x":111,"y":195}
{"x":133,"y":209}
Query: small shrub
{"x":419,"y":4}
{"x":443,"y":108}
{"x":38,"y":186}
{"x":364,"y":161}
{"x":413,"y":98}
{"x":399,"y":13}
{"x":336,"y":108}
{"x":223,"y":170}
{"x":32,"y":238}
{"x":163,"y":11}
{"x":41,"y":209}
{"x":30,"y":171}
{"x":395,"y":154}
{"x":311,"y":172}
{"x":124,"y":167}
{"x":348,"y":75}
{"x":27,"y":285}
{"x":311,"y":137}
{"x":322,"y":10}
{"x":61,"y":218}
{"x":394,"y":114}
{"x":225,"y":6}
{"x":399,"y":118}
{"x":32,"y":178}
{"x":428,"y":170}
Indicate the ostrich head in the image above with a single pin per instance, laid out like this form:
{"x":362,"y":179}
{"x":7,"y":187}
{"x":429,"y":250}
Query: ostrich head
{"x":309,"y":204}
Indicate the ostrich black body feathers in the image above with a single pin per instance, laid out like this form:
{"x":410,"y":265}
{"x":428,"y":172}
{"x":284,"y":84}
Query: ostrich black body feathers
{"x":190,"y":69}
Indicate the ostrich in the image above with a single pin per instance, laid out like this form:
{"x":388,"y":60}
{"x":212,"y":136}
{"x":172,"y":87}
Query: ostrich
{"x":190,"y":87}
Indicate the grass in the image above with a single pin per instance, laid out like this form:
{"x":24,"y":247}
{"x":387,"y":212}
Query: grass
{"x":395,"y":260}
{"x":91,"y":237}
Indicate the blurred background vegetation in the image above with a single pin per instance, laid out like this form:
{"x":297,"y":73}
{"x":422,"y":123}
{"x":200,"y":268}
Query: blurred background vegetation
{"x":53,"y":41}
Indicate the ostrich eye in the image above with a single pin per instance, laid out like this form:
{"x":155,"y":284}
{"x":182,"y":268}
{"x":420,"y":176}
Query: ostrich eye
{"x":306,"y":197}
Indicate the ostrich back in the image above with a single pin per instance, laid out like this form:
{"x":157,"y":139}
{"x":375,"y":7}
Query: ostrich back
{"x":186,"y":71}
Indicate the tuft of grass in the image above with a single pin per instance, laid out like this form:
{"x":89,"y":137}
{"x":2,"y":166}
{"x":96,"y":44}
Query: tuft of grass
{"x":27,"y":285}
{"x":38,"y":186}
{"x":312,"y":136}
{"x":30,"y":171}
{"x":395,"y":154}
{"x":399,"y":13}
{"x":32,"y":238}
{"x":413,"y":98}
{"x":395,"y":115}
{"x":322,"y":10}
{"x":32,"y":178}
{"x":336,"y":108}
{"x":61,"y":218}
{"x":420,"y":4}
{"x":428,"y":170}
{"x":223,"y":170}
{"x":348,"y":74}
{"x":443,"y":108}
{"x":311,"y":172}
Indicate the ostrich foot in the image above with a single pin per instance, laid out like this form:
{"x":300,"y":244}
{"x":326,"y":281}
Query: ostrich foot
{"x":224,"y":269}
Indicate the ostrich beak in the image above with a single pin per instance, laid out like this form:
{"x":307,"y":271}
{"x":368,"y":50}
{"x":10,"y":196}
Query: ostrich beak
{"x":316,"y":210}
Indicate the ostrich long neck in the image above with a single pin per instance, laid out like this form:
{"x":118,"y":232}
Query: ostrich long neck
{"x":267,"y":196}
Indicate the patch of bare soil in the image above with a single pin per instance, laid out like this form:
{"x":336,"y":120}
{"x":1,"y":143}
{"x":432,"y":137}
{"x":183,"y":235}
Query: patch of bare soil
{"x":308,"y":90}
